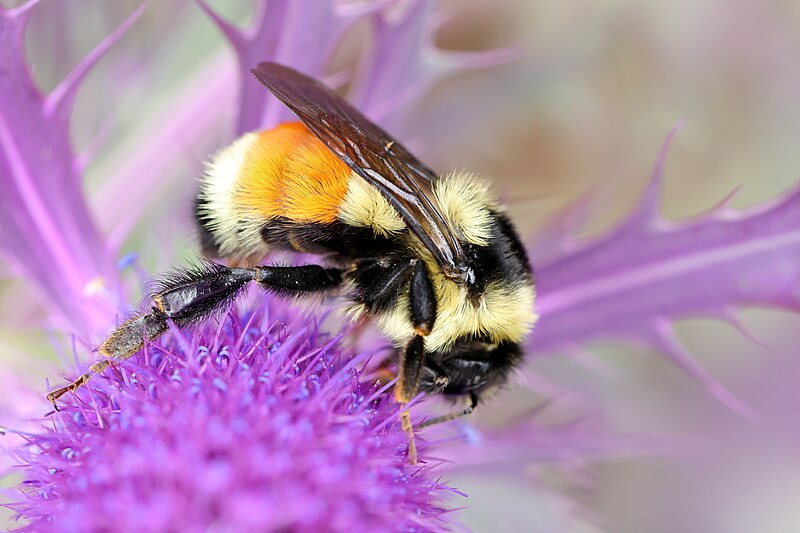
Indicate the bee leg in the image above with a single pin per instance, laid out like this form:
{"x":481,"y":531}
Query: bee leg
{"x":408,"y":377}
{"x":96,"y":368}
{"x":423,"y":315}
{"x":423,"y":300}
{"x":190,"y":295}
{"x":473,"y":403}
{"x":124,"y":341}
{"x":297,"y":280}
{"x":184,"y":296}
{"x":440,"y":379}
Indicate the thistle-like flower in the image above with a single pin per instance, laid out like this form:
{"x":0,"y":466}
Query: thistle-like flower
{"x":255,"y":423}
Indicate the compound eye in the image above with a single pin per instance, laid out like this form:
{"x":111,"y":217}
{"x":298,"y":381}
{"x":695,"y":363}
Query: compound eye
{"x":468,"y":274}
{"x":473,"y":276}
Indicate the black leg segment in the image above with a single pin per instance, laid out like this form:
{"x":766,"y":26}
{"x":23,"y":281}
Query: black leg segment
{"x":423,"y":300}
{"x":473,"y":403}
{"x":192,"y":294}
{"x":378,"y":281}
{"x":410,"y":370}
{"x":297,"y":280}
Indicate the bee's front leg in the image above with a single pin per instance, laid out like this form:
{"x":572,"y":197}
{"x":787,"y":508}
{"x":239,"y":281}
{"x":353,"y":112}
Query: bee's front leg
{"x":412,"y":361}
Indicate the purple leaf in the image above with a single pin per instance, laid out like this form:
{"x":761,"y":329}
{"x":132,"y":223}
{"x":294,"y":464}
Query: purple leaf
{"x":575,"y":441}
{"x":299,"y":33}
{"x":195,"y":109}
{"x":404,"y":62}
{"x":45,"y":227}
{"x":633,"y":281}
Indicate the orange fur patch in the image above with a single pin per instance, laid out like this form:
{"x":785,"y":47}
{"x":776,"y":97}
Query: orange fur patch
{"x":288,"y":172}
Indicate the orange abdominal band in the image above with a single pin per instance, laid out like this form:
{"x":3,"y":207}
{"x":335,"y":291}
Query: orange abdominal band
{"x":289,"y":173}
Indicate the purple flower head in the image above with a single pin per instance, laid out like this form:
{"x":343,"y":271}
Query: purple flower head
{"x":254,"y":423}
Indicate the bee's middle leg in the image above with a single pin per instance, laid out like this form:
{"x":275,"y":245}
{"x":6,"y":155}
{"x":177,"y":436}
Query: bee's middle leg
{"x":412,"y":361}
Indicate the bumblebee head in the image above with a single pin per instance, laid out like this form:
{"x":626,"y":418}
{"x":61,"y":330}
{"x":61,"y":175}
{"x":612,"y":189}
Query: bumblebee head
{"x":468,"y":273}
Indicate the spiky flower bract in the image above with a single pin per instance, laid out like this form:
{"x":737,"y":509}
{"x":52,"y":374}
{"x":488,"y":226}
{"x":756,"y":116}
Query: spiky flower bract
{"x":254,"y":423}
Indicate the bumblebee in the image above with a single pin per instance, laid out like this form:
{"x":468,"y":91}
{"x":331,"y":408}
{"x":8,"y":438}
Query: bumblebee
{"x":433,"y":259}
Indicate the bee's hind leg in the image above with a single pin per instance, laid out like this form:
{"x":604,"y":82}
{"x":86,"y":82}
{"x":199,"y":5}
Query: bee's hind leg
{"x":190,"y":295}
{"x":183,"y":296}
{"x":297,"y":280}
{"x":124,"y":341}
{"x":473,"y":403}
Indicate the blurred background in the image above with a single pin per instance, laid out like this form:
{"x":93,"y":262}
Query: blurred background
{"x":583,"y":109}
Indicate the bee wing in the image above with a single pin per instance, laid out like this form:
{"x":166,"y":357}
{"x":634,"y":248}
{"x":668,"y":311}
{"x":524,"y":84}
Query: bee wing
{"x":373,"y":154}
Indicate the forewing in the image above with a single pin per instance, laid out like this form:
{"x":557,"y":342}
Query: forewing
{"x":373,"y":154}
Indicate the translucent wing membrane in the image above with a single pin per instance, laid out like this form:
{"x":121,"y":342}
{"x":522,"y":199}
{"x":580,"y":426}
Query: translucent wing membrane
{"x":374,"y":155}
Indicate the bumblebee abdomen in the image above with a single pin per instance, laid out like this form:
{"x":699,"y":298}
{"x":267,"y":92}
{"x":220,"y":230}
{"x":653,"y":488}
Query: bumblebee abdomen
{"x":287,"y":172}
{"x":284,"y":176}
{"x":280,"y":174}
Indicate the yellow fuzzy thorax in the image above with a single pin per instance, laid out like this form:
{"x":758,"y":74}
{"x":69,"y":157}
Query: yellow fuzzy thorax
{"x":505,"y":311}
{"x":464,"y":199}
{"x":365,"y":207}
{"x":466,"y":202}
